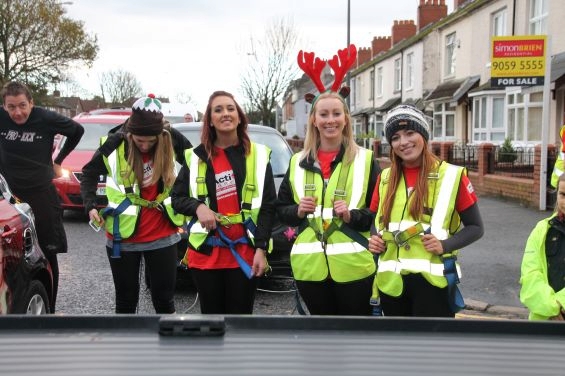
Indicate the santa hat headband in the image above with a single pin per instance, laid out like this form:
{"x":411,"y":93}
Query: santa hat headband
{"x":313,"y":67}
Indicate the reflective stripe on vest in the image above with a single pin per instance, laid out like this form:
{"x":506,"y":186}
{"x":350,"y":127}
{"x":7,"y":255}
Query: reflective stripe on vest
{"x":442,"y":196}
{"x":339,"y":256}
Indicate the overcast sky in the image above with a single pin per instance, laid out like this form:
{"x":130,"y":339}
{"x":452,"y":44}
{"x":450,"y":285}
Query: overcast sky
{"x":196,"y":46}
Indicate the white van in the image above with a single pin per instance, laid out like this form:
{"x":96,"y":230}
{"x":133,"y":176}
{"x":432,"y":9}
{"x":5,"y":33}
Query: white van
{"x":174,"y":112}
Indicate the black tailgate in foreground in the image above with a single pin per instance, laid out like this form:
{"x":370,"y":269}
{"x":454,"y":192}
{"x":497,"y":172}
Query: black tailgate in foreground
{"x":277,"y":345}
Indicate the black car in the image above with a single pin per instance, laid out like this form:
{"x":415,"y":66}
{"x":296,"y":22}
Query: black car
{"x":283,"y":236}
{"x":26,"y":280}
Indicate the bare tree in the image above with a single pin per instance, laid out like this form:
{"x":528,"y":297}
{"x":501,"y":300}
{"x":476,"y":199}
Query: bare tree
{"x":271,"y":68}
{"x":38,"y":43}
{"x":184,"y":98}
{"x":118,"y":86}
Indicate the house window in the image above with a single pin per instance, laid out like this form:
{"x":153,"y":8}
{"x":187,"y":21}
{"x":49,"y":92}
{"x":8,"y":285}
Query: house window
{"x":410,"y":70}
{"x":488,"y":119}
{"x":372,"y":85}
{"x":499,"y":23}
{"x":524,"y":116}
{"x":380,"y":82}
{"x":397,"y":75}
{"x":379,"y":127}
{"x":358,"y":91}
{"x":450,"y":55}
{"x":353,"y":93}
{"x":538,"y":17}
{"x":444,"y":121}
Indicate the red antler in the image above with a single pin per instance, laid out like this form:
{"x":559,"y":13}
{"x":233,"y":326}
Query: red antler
{"x":312,"y":67}
{"x":347,"y":57}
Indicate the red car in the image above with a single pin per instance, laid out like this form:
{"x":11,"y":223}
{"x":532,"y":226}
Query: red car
{"x":26,"y":280}
{"x":96,"y":124}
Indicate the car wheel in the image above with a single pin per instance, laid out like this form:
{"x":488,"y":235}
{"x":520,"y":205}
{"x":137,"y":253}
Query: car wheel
{"x":36,"y":301}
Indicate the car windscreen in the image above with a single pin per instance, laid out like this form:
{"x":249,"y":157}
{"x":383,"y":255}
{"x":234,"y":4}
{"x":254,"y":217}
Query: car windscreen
{"x":280,"y":155}
{"x":92,"y":132}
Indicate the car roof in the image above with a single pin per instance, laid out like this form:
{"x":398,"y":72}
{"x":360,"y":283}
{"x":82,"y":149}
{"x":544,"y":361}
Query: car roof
{"x":198,"y":125}
{"x":109,"y":111}
{"x":104,"y":119}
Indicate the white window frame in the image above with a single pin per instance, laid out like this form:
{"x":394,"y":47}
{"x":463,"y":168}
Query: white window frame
{"x":484,"y":118}
{"x":518,"y":120}
{"x":410,"y":71}
{"x":380,"y":83}
{"x":538,"y":17}
{"x":397,"y":75}
{"x":442,"y":112}
{"x":450,"y":44}
{"x":372,"y":84}
{"x":499,"y":23}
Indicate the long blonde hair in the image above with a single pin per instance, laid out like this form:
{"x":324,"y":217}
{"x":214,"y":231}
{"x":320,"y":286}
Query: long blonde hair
{"x":418,"y":198}
{"x":163,"y":159}
{"x":312,"y":139}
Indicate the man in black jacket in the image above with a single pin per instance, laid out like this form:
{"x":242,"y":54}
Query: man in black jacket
{"x":26,"y":146}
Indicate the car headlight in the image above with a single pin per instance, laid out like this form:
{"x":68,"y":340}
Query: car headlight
{"x":65,"y":174}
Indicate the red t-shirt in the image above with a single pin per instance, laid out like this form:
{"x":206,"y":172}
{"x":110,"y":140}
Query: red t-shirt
{"x":326,"y":158}
{"x":465,"y":196}
{"x":153,"y":224}
{"x":228,"y":203}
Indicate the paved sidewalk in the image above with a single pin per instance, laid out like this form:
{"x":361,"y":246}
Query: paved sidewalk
{"x":491,"y":266}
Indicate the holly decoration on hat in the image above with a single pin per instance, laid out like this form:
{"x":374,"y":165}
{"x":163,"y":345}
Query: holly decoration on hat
{"x":149,"y":103}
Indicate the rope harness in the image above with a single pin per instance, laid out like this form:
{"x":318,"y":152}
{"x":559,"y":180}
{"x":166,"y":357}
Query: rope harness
{"x":340,"y":193}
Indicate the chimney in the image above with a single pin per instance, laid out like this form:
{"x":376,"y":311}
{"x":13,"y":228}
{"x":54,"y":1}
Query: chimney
{"x":430,"y":11}
{"x":458,"y":3}
{"x":363,"y":55}
{"x":402,"y":30}
{"x":380,"y":44}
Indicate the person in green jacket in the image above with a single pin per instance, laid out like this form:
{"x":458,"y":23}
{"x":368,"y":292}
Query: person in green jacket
{"x":543,"y":265}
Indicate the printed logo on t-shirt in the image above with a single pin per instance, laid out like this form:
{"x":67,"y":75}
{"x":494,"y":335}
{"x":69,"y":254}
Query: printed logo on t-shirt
{"x":147,"y":173}
{"x":24,"y":137}
{"x":470,"y":188}
{"x":225,"y":184}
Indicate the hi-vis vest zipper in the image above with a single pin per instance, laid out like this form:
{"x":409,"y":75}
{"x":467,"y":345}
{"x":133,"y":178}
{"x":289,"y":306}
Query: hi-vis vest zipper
{"x":252,"y":191}
{"x":121,"y":184}
{"x":314,"y":255}
{"x":443,"y":222}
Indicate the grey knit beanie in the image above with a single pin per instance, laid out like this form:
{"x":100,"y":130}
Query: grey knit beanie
{"x":406,"y":117}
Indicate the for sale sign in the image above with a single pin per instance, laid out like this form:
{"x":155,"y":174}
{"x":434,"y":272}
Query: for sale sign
{"x":518,"y":60}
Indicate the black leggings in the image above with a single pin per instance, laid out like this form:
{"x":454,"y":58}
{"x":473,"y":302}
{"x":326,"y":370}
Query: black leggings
{"x":331,"y":298}
{"x":162,"y":267}
{"x":224,"y":291}
{"x":419,"y":298}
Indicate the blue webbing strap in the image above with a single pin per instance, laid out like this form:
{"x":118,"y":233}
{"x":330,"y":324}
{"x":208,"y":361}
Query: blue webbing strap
{"x":117,"y":237}
{"x":455,"y":298}
{"x":224,"y":241}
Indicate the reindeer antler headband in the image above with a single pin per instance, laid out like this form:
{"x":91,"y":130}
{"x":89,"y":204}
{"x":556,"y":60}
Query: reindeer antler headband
{"x":340,"y":64}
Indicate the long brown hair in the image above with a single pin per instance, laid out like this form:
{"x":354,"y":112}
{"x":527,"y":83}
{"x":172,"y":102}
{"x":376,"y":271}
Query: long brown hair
{"x":418,"y":198}
{"x":163,"y":159}
{"x":209,"y":136}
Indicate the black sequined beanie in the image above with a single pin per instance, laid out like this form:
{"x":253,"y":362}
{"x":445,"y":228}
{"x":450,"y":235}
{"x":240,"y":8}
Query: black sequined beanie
{"x":406,"y":117}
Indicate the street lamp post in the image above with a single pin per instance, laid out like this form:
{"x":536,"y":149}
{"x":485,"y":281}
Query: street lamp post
{"x":348,"y":77}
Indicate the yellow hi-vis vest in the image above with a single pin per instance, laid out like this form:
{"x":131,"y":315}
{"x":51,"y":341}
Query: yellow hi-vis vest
{"x":121,"y":184}
{"x":252,"y":192}
{"x":313,"y":257}
{"x":443,"y":186}
{"x":559,"y":166}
